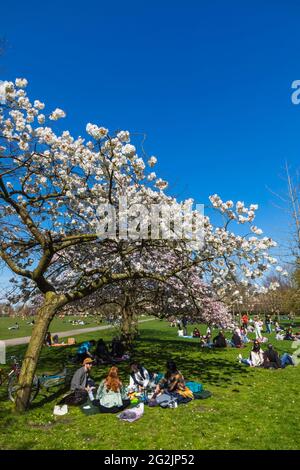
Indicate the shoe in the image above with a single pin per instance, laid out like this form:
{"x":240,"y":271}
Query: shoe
{"x":239,"y":358}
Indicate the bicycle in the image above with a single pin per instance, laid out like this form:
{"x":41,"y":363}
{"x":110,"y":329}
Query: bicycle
{"x":12,"y":377}
{"x":43,"y":381}
{"x":4,"y":376}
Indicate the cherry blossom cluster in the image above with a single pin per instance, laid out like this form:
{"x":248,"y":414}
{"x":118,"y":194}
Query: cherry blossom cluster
{"x":51,"y":186}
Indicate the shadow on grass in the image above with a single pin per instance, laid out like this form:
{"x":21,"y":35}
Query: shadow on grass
{"x":208,"y":365}
{"x":153,"y":348}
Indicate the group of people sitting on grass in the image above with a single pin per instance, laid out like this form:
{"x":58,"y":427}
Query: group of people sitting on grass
{"x":101,"y":353}
{"x":269,"y":359}
{"x":288,"y":335}
{"x":51,"y":340}
{"x":258,"y":357}
{"x":239,"y":338}
{"x":112,"y":396}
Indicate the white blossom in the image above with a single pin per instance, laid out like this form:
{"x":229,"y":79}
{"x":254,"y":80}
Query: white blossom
{"x":57,"y":114}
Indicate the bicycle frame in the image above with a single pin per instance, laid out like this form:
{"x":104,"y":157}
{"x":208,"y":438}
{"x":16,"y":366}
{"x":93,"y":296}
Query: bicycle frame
{"x":48,"y":381}
{"x":42,"y":381}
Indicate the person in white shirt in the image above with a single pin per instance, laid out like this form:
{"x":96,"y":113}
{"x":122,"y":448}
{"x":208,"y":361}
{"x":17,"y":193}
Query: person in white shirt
{"x":257,"y":328}
{"x":256,"y":358}
{"x":139,"y":377}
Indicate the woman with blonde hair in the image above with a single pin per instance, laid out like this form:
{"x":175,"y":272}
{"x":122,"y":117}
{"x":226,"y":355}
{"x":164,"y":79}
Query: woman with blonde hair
{"x":111,"y":395}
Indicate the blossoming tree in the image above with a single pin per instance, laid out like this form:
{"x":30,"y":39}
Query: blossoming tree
{"x":184,"y":293}
{"x":51,"y":187}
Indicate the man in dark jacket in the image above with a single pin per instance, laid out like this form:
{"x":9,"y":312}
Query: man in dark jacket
{"x":102,"y":353}
{"x":271,"y":358}
{"x":273,"y":361}
{"x":81,"y":384}
{"x":220,"y":340}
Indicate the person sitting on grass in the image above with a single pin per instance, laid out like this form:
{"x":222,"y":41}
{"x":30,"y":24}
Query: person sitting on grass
{"x":82,"y":385}
{"x":117,"y":348}
{"x":196,"y":333}
{"x":256,"y":358}
{"x":219,"y":341}
{"x":236,"y":340}
{"x":101,"y":352}
{"x":244,"y":336}
{"x":55,"y":339}
{"x":139,"y":377}
{"x":180,"y":331}
{"x":48,"y":339}
{"x":84,"y":350}
{"x":273,"y":361}
{"x":173,"y":382}
{"x":111,"y":395}
{"x":205,"y":341}
{"x":289,"y":335}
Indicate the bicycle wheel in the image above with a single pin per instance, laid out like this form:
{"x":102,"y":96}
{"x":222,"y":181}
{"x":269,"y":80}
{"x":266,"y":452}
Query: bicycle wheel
{"x":13,"y":388}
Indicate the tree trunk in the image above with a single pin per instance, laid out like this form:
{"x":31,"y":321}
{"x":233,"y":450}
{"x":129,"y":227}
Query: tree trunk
{"x":42,"y":321}
{"x":128,"y":327}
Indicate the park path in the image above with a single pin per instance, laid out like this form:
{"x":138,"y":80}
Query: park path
{"x":62,"y":334}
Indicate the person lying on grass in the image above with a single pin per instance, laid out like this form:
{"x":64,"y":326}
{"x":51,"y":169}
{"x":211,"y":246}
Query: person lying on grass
{"x":173,"y":382}
{"x":111,"y":395}
{"x":14,"y":327}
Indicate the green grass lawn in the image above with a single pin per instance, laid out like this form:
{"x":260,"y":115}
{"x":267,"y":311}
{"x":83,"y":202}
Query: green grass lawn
{"x":58,"y":324}
{"x":249,"y":409}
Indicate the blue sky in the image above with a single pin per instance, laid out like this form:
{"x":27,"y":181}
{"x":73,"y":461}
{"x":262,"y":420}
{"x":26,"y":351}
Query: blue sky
{"x":208,"y":81}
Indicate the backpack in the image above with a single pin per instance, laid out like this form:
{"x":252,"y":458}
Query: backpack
{"x":195,"y":387}
{"x":75,"y":398}
{"x":202,"y":395}
{"x":164,"y":400}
